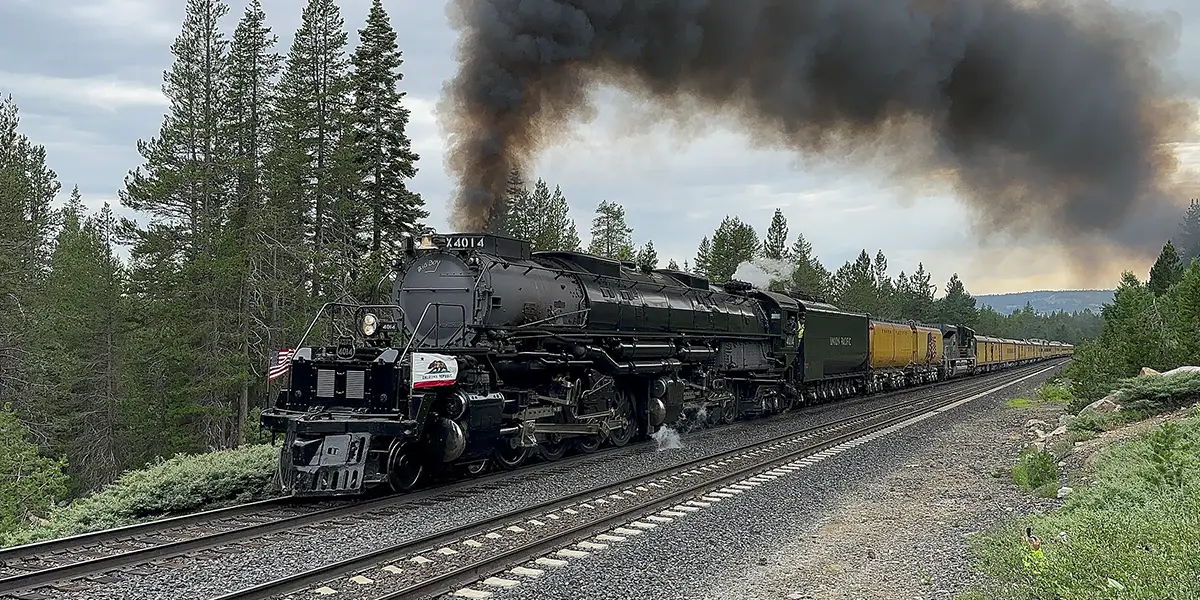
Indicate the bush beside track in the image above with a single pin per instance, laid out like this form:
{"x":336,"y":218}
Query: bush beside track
{"x":183,"y":483}
{"x":1131,"y":528}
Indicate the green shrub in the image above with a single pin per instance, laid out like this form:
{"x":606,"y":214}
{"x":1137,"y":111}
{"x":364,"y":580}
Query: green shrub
{"x":1079,"y":435}
{"x":1158,"y":394}
{"x":1133,"y":533}
{"x":1169,"y":453}
{"x":180,"y":484}
{"x":1053,"y":392}
{"x":29,"y":482}
{"x":1097,"y":422}
{"x":1036,"y":470}
{"x":1056,"y":393}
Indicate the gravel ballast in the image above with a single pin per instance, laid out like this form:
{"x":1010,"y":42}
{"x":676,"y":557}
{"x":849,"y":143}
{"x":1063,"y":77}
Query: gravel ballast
{"x":211,"y":574}
{"x":887,"y":519}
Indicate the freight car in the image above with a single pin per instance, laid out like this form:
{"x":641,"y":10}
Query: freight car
{"x":489,"y":354}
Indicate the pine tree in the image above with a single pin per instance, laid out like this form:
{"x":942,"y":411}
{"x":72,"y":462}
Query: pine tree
{"x":184,"y":358}
{"x":957,"y":307}
{"x":185,"y":175}
{"x":611,"y":237}
{"x":854,"y":286}
{"x":541,"y":227}
{"x":383,"y":151}
{"x":570,"y":239}
{"x":510,"y":216}
{"x":885,"y":290}
{"x":542,"y":217}
{"x":560,"y":231}
{"x":1167,"y":270}
{"x":808,"y":274}
{"x":672,"y":265}
{"x":647,"y":256}
{"x":253,"y":66}
{"x":775,"y":245}
{"x":316,"y":162}
{"x":920,"y":302}
{"x":733,"y":243}
{"x":1185,"y":298}
{"x":27,"y":187}
{"x":84,"y":332}
{"x":703,"y":256}
{"x":1189,"y":234}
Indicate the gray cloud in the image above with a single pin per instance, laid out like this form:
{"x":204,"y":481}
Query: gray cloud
{"x":675,"y":192}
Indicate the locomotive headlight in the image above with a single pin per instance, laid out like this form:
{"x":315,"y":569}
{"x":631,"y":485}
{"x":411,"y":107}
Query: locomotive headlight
{"x":370,"y":324}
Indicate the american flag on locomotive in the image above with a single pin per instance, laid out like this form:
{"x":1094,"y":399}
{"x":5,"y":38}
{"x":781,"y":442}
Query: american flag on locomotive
{"x":279,"y":363}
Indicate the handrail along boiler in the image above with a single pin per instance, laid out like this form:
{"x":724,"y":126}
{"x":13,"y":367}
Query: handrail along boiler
{"x":491,"y":353}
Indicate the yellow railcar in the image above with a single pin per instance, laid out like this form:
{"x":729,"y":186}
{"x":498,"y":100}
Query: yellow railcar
{"x":1008,"y":351}
{"x":987,"y":350}
{"x":901,"y":345}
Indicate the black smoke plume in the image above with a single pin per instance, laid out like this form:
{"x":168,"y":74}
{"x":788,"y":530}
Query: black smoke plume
{"x":1045,"y":114}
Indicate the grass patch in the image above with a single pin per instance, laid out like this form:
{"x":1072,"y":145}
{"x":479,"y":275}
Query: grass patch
{"x":1055,"y":393}
{"x":1133,"y":533}
{"x":1051,"y":392}
{"x":1037,"y":472}
{"x":183,"y":483}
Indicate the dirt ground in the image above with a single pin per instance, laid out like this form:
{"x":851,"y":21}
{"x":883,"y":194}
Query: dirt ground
{"x":904,"y":535}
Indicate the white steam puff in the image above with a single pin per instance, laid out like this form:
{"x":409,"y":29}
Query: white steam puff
{"x":760,"y":272}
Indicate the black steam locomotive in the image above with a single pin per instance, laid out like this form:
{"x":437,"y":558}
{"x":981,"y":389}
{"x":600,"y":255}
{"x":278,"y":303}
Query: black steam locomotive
{"x":491,"y":353}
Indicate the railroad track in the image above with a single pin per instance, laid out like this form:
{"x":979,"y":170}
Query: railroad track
{"x":524,"y":542}
{"x":38,"y":571}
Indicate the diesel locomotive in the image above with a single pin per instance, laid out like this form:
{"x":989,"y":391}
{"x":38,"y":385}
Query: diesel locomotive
{"x":488,"y":354}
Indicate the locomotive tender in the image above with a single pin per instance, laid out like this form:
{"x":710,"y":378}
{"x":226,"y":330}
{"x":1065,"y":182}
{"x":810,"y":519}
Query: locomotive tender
{"x":490,"y":353}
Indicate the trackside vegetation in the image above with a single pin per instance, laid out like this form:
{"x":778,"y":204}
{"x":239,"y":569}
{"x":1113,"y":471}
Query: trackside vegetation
{"x":1131,"y":528}
{"x":1133,"y":533}
{"x":184,"y":483}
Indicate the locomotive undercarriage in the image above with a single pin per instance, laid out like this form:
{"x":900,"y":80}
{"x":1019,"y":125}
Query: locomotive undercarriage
{"x":585,"y":410}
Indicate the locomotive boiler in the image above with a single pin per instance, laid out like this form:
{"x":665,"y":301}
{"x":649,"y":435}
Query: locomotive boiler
{"x":488,"y":354}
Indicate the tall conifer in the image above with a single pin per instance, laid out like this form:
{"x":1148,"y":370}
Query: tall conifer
{"x":253,"y":66}
{"x":383,"y":151}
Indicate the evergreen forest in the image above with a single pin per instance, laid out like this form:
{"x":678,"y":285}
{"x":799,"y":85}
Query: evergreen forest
{"x":279,"y":181}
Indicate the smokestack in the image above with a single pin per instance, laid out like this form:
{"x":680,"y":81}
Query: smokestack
{"x":1044,"y":116}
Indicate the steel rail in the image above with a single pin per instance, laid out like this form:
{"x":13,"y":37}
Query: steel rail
{"x":301,"y":580}
{"x":512,"y":557}
{"x":54,"y":549}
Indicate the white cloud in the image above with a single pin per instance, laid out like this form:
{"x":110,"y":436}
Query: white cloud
{"x":100,"y":92}
{"x":128,"y":20}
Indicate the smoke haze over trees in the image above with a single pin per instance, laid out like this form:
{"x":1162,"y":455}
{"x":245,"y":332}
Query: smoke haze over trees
{"x":1044,"y":116}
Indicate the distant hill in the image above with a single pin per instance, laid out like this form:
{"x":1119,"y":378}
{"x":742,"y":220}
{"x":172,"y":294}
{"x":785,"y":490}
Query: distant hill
{"x":1047,"y":302}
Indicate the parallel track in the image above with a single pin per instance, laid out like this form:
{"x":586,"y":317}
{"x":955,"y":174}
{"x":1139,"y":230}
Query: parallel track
{"x":28,"y":567}
{"x":516,"y":537}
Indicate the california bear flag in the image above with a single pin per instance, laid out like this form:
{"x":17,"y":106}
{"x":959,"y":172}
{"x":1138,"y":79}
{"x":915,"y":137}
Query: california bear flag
{"x":432,"y":370}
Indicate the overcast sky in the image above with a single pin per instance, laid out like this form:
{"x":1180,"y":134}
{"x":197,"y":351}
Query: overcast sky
{"x":86,"y":75}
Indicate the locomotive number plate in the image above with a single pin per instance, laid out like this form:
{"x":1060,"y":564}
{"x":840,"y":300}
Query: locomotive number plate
{"x":465,"y":242}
